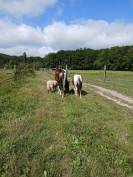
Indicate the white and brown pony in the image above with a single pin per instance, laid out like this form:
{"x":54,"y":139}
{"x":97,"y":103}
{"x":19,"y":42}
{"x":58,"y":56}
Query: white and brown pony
{"x":77,"y":82}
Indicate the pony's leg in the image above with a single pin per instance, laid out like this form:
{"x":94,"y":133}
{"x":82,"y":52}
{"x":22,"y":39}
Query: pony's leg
{"x":59,"y":91}
{"x":80,"y":94}
{"x":62,"y":94}
{"x":76,"y":91}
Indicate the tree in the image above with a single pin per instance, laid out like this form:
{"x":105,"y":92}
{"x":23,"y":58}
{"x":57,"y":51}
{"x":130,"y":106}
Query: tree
{"x":25,"y":57}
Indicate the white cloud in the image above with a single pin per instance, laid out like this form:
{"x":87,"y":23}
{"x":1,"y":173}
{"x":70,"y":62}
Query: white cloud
{"x":20,"y":8}
{"x":13,"y":34}
{"x":15,"y":39}
{"x":91,"y":33}
{"x":30,"y":50}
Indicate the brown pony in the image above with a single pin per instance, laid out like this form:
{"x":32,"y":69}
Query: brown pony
{"x":61,"y":78}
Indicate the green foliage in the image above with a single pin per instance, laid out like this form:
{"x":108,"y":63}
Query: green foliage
{"x":116,"y":58}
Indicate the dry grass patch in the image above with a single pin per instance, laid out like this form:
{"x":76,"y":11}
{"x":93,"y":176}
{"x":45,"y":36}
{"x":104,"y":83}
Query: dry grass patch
{"x":64,"y":171}
{"x":41,"y":112}
{"x":26,"y":89}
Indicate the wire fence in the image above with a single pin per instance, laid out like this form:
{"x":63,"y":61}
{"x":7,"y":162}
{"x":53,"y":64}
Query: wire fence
{"x":19,"y":72}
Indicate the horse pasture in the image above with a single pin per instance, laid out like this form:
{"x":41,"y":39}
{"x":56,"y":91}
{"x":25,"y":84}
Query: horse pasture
{"x":43,"y":135}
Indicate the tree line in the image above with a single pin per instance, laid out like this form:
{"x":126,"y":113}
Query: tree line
{"x":115,"y":58}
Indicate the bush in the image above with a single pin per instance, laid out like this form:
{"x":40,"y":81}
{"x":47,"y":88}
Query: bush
{"x":22,"y":70}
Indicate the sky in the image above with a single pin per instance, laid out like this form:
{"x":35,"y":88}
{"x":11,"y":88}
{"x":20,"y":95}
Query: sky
{"x":39,"y":27}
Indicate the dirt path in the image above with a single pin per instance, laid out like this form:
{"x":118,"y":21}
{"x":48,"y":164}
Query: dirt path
{"x":112,"y":95}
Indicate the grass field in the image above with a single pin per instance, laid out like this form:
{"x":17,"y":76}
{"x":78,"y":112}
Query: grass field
{"x":42,"y":135}
{"x":118,"y":80}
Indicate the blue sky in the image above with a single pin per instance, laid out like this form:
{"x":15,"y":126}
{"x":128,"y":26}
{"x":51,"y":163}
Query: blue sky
{"x":74,"y":10}
{"x":43,"y":26}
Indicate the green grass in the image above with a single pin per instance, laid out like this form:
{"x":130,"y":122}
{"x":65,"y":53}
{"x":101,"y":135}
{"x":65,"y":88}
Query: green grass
{"x":42,"y":135}
{"x":120,"y":81}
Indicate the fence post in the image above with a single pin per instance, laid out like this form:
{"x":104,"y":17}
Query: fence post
{"x":14,"y":72}
{"x":105,"y":74}
{"x":66,"y":67}
{"x":5,"y":67}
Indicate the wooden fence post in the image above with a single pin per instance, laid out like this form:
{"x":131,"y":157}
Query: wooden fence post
{"x":5,"y":67}
{"x":14,"y":72}
{"x":105,"y":74}
{"x":66,"y":67}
